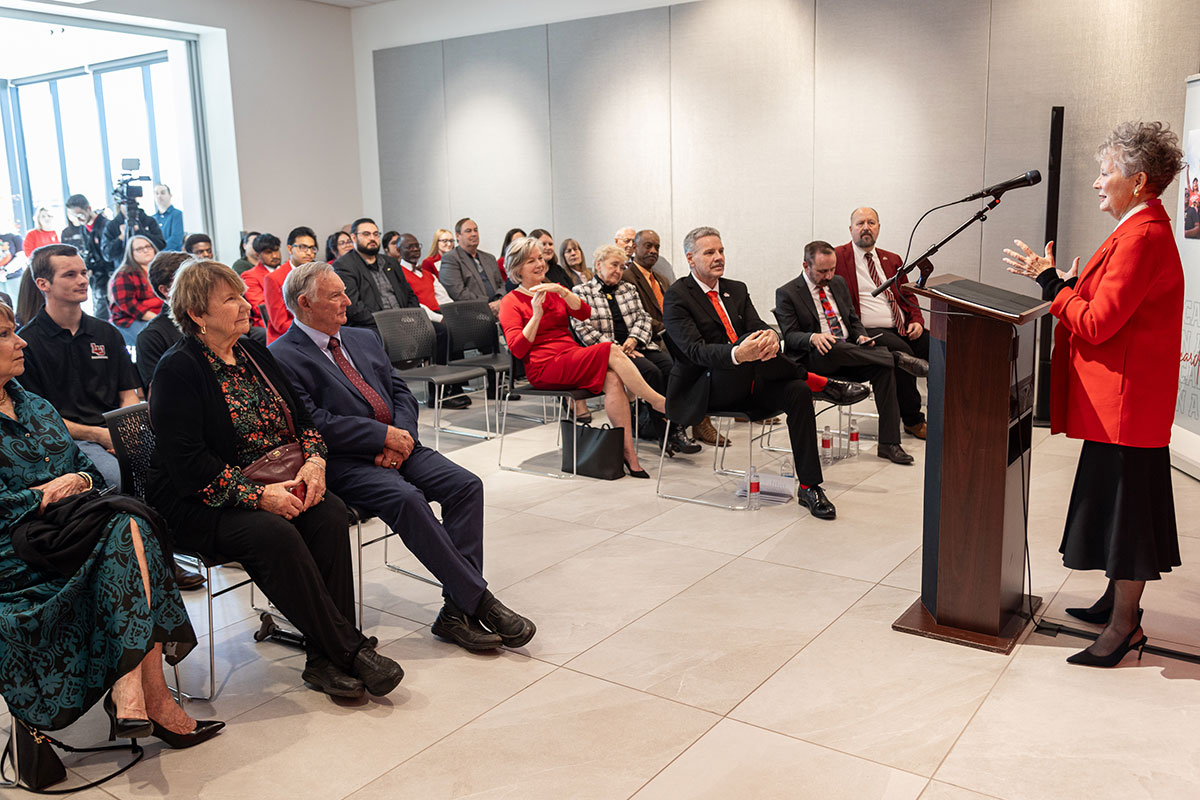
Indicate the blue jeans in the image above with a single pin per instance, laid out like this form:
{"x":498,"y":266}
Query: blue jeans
{"x":105,"y":461}
{"x":129,"y":334}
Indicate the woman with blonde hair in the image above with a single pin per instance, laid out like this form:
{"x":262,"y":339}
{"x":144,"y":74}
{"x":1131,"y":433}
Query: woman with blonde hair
{"x":443,"y":242}
{"x":43,"y":232}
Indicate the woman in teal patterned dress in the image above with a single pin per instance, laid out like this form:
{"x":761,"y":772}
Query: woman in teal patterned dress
{"x":65,"y":640}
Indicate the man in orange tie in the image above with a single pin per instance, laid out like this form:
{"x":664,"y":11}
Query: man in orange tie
{"x":727,"y":358}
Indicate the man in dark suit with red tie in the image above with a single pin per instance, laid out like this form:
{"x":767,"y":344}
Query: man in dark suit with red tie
{"x":894,"y":313}
{"x":368,"y":419}
{"x":726,"y":358}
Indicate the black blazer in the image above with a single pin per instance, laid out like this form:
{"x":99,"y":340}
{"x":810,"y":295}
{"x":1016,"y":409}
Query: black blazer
{"x":363,"y":292}
{"x":191,"y":421}
{"x":634,"y":275}
{"x":701,"y":348}
{"x":799,"y":317}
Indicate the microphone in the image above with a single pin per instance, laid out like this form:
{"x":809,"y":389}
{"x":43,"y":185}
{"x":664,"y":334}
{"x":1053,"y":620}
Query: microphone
{"x":1028,"y":179}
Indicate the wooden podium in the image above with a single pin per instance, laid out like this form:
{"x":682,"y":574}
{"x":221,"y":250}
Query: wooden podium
{"x":980,"y":404}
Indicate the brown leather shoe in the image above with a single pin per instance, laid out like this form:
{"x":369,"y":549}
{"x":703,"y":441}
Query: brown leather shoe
{"x":917,"y":430}
{"x":705,"y":432}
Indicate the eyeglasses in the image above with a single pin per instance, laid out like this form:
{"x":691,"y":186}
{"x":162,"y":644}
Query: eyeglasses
{"x":368,"y":234}
{"x":305,"y":248}
{"x":445,"y":241}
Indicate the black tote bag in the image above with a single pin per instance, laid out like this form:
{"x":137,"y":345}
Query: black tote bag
{"x":601,"y":450}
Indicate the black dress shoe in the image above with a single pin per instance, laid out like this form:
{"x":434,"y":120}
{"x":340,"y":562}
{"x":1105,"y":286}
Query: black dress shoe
{"x":455,"y":625}
{"x":813,"y":498}
{"x":911,"y":364}
{"x":843,"y":393}
{"x":457,"y":401}
{"x":894,"y":453}
{"x":1097,"y":617}
{"x":378,"y":673}
{"x":514,"y":630}
{"x":678,"y":442}
{"x":205,"y":729}
{"x":321,"y":674}
{"x":187,"y":580}
{"x":1089,"y":659}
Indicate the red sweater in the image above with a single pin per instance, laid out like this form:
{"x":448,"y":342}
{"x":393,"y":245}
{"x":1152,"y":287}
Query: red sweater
{"x":423,"y":285}
{"x":38,"y":238}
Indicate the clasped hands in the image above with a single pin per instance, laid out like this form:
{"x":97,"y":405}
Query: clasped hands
{"x":62,"y":486}
{"x":1030,"y":264}
{"x":762,"y":345}
{"x":280,"y":498}
{"x":539,"y":294}
{"x":397,"y":447}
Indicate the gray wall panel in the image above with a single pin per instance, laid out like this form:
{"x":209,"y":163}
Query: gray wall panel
{"x":900,"y":102}
{"x":610,"y":85}
{"x":741,"y":133}
{"x":412,"y":139}
{"x":498,"y":131}
{"x":1104,"y":69}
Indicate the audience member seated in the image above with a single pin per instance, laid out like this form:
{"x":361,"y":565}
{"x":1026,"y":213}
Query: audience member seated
{"x":97,"y":614}
{"x":219,"y":403}
{"x":131,"y":300}
{"x":168,"y":217}
{"x":267,"y":246}
{"x":618,"y":317}
{"x":422,"y":280}
{"x":575,"y":262}
{"x":199,"y":245}
{"x":302,"y":248}
{"x":118,"y":231}
{"x":513,"y":233}
{"x":817,"y":319}
{"x":249,"y":256}
{"x":161,"y":332}
{"x":534,"y":318}
{"x":726,"y":358}
{"x":76,"y":362}
{"x":337,"y":245}
{"x":43,"y":234}
{"x":623,"y":239}
{"x":390,"y":244}
{"x":29,"y":298}
{"x":368,"y":417}
{"x":651,"y":287}
{"x":469,"y":273}
{"x":375,"y":282}
{"x":895,"y":313}
{"x":85,"y":232}
{"x":554,"y":271}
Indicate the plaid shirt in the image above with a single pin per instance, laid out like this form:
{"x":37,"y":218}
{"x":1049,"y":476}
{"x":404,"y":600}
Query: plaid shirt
{"x":130,"y":297}
{"x":599,"y":326}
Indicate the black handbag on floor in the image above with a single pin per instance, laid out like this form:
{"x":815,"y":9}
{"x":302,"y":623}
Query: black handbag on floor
{"x":37,"y":766}
{"x":601,"y":450}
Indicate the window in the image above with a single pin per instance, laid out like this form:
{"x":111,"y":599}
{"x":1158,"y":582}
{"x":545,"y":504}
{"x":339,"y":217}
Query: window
{"x":39,"y":131}
{"x":81,"y":142}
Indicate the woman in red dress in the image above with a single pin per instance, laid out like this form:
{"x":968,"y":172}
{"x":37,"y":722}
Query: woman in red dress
{"x":536,"y":326}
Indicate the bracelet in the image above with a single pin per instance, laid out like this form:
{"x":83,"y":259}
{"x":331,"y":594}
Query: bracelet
{"x":90,"y":483}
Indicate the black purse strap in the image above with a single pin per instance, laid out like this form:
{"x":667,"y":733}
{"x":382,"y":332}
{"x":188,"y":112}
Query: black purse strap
{"x":287,"y":412}
{"x":42,"y":738}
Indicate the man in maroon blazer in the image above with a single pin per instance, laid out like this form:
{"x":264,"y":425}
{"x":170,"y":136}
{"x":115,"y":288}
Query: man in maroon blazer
{"x":894,"y":314}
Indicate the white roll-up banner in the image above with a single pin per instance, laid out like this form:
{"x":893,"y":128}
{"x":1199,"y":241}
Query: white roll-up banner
{"x":1185,"y":435}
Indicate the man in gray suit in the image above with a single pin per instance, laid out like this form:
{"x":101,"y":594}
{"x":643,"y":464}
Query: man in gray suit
{"x":817,"y":319}
{"x":469,"y":273}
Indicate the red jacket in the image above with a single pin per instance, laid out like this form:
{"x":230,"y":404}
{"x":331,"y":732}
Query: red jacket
{"x":890,"y":262}
{"x":1115,"y":369}
{"x":279,"y":319}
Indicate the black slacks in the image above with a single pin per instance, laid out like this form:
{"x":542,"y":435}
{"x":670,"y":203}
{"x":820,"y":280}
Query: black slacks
{"x":907,"y":393}
{"x":655,"y":367}
{"x":742,"y":389}
{"x":874,"y":364}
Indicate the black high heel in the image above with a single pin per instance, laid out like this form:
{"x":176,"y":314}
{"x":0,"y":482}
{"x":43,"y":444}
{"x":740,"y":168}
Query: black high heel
{"x":635,"y":473}
{"x":1096,"y":617}
{"x":124,"y":727}
{"x":1087,"y":659}
{"x":205,"y":730}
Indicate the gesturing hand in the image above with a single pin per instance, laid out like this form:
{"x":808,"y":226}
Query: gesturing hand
{"x":1030,"y":264}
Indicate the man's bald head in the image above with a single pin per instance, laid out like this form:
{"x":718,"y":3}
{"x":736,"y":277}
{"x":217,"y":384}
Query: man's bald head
{"x":624,"y":239}
{"x":864,"y":227}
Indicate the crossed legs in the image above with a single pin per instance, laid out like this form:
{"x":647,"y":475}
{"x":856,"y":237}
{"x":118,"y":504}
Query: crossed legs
{"x":623,"y":375}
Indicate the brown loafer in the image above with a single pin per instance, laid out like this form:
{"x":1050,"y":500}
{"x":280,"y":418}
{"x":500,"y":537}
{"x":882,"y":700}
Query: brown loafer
{"x":917,"y":430}
{"x":705,"y":432}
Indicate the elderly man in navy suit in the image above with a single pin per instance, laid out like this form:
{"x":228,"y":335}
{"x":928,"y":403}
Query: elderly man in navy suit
{"x":368,"y":418}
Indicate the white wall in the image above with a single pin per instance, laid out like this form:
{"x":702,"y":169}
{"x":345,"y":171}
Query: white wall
{"x":280,"y":99}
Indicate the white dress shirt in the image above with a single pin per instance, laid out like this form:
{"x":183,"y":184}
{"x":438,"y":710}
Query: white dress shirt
{"x":874,"y":312}
{"x":814,"y":290}
{"x":321,"y":340}
{"x":439,"y":292}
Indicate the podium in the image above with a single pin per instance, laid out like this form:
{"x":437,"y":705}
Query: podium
{"x":980,"y":424}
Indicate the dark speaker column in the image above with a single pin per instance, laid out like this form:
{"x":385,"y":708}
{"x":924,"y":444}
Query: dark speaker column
{"x":1041,"y":413}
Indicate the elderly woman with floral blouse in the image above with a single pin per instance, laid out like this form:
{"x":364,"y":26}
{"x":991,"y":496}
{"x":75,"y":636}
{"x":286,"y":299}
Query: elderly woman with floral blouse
{"x":218,"y":403}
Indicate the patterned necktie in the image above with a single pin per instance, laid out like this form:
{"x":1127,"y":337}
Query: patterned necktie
{"x":835,"y":326}
{"x":379,"y":409}
{"x":897,"y":317}
{"x":716,"y":301}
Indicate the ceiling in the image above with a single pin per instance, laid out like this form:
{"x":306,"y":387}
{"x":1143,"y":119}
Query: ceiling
{"x":35,"y":48}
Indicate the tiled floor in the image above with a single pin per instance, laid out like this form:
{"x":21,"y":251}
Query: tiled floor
{"x":692,"y":652}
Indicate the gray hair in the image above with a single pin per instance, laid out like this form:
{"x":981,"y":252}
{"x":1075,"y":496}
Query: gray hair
{"x":689,"y":241}
{"x":620,"y":231}
{"x":302,"y":280}
{"x":518,"y":253}
{"x":1149,"y":147}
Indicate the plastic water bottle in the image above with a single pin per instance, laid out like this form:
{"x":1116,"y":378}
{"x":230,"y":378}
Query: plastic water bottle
{"x":826,"y":446}
{"x":853,"y":437}
{"x":753,"y":497}
{"x":787,"y":470}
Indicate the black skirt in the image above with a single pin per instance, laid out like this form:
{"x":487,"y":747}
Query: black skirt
{"x":1122,"y":513}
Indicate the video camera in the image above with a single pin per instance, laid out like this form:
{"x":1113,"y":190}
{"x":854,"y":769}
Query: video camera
{"x":125,"y":191}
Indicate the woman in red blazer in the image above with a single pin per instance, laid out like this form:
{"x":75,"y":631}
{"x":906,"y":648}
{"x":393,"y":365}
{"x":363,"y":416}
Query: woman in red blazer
{"x":1114,"y":377}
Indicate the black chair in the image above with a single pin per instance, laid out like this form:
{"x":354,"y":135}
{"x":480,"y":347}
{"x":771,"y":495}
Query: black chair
{"x":472,"y":326}
{"x":262,"y":309}
{"x":409,"y":338}
{"x":133,"y":444}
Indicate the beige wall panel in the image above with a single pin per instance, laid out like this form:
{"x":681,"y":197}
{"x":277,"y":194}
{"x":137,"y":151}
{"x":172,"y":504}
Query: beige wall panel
{"x":741,"y":134}
{"x":610,"y":85}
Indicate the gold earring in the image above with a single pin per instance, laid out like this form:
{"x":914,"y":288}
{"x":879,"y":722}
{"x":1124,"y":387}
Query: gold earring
{"x":203,"y":331}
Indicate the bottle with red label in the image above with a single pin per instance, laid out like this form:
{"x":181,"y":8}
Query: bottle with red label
{"x":753,"y":497}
